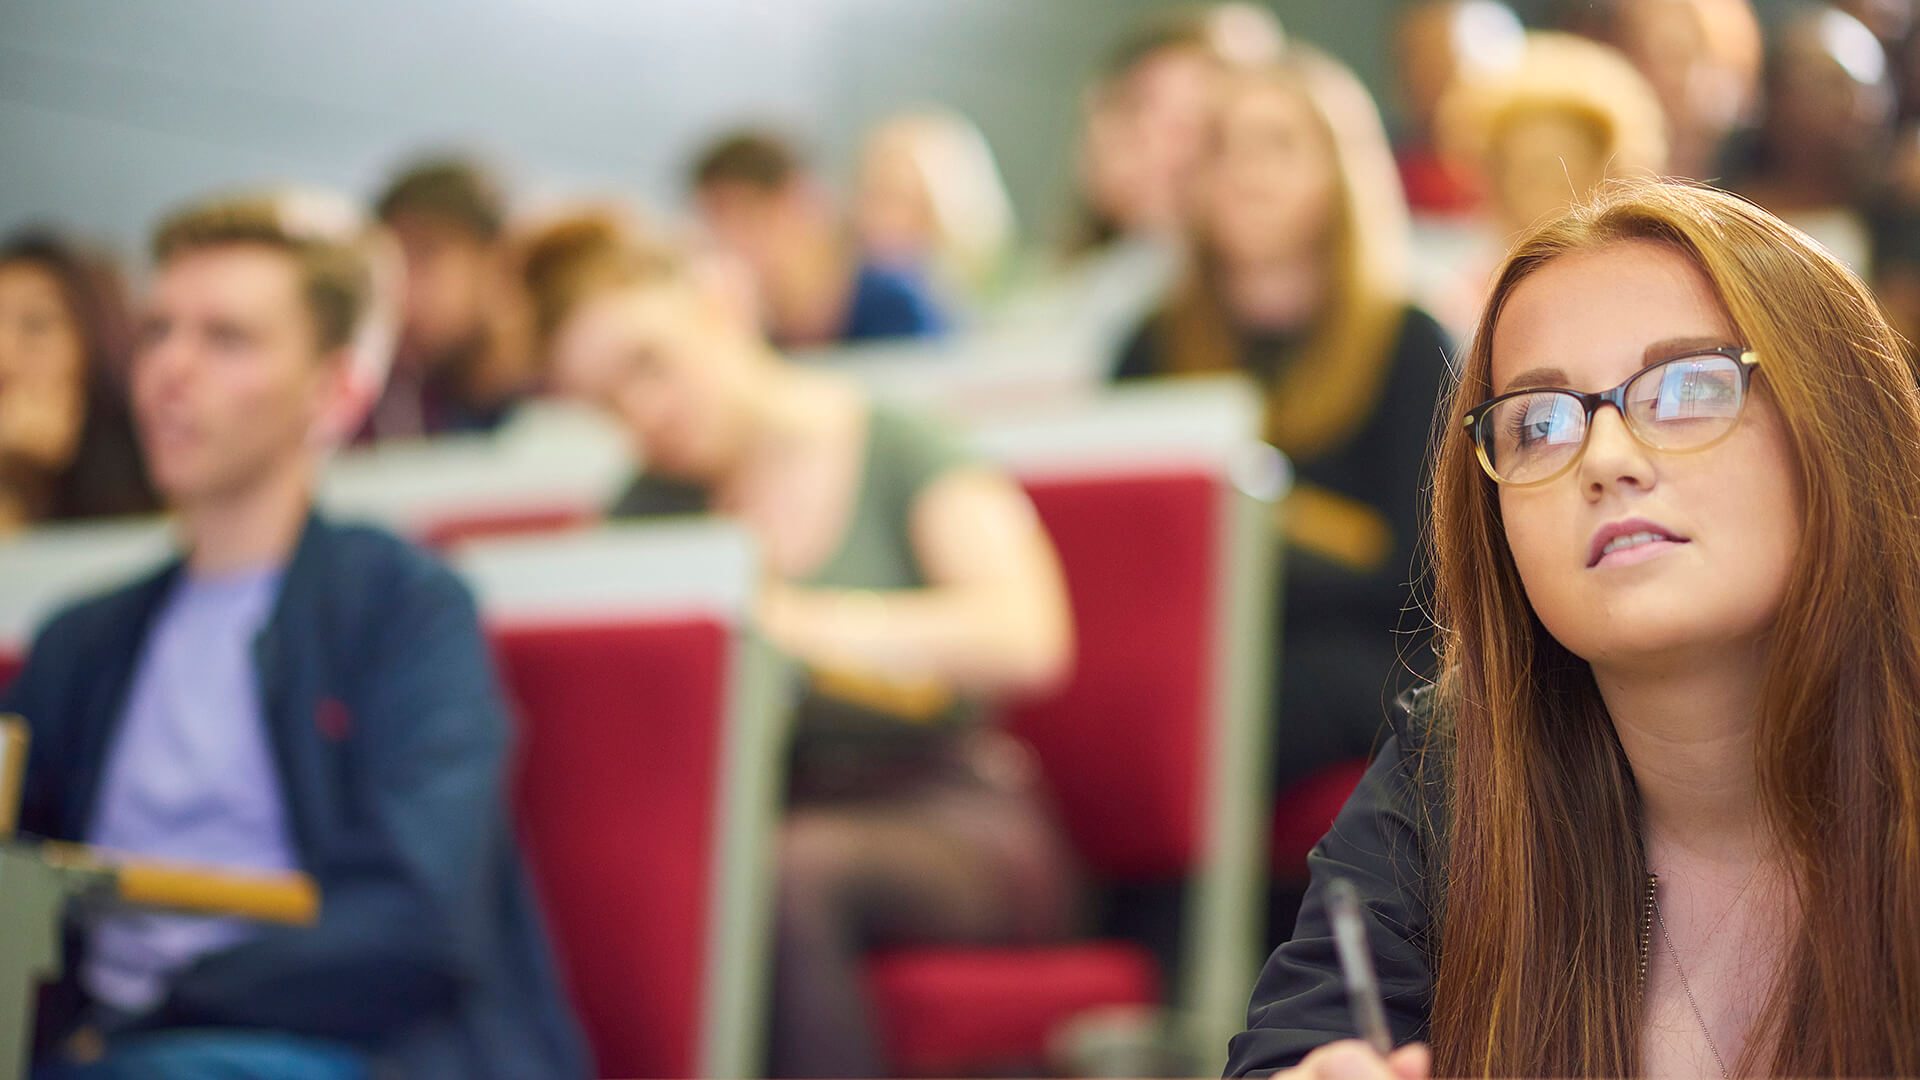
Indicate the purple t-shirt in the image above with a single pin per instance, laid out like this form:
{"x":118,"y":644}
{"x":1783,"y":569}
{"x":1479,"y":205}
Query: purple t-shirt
{"x":190,"y":778}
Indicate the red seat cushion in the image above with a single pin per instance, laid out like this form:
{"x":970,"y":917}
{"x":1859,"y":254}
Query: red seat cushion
{"x":619,"y":763}
{"x":946,"y":1011}
{"x":1304,"y":813}
{"x":1124,"y":742}
{"x":10,"y":666}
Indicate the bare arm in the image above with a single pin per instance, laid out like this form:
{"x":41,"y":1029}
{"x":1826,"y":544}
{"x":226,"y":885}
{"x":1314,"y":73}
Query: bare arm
{"x":992,"y":620}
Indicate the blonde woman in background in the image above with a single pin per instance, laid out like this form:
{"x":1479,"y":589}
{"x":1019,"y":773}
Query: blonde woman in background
{"x":1544,"y":134}
{"x":929,"y":201}
{"x":1547,"y":131}
{"x":1298,"y":279}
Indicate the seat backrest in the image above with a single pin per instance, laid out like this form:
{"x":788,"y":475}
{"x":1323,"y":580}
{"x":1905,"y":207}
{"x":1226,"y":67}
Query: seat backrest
{"x":1137,"y":492}
{"x":644,"y":788}
{"x":615,"y":796}
{"x":1159,"y":499}
{"x":50,"y":566}
{"x":1123,"y":743}
{"x":550,"y":464}
{"x":980,"y":374}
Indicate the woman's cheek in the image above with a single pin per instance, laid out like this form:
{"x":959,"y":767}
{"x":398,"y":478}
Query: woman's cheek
{"x":1538,"y":547}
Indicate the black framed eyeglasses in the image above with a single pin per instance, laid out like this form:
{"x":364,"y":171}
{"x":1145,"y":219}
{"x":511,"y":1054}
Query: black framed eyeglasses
{"x":1687,"y":403}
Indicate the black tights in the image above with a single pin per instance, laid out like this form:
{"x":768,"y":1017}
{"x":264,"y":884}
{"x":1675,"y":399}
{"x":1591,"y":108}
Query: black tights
{"x":862,"y":876}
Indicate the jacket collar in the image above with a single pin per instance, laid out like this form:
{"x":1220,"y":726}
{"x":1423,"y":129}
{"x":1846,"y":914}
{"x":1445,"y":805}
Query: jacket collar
{"x":302,"y":586}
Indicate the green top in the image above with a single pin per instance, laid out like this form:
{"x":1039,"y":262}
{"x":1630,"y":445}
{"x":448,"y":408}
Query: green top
{"x":905,"y":454}
{"x":855,"y":737}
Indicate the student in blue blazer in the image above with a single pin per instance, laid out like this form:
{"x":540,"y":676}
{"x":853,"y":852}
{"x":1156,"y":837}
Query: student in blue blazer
{"x":291,"y":694}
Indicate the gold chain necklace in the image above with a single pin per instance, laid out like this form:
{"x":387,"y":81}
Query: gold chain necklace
{"x":1653,"y":903}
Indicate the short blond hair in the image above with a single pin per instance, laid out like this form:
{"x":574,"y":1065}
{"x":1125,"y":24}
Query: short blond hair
{"x":330,"y":253}
{"x":1560,"y":73}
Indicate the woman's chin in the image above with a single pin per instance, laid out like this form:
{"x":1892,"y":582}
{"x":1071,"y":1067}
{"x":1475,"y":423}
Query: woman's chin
{"x":1652,"y":642}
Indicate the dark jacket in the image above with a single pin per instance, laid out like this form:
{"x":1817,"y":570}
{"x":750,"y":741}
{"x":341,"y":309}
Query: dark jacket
{"x":1386,"y":842}
{"x":391,"y":741}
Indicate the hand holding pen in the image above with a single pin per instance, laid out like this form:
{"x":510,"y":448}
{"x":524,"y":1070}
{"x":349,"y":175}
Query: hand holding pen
{"x":1372,"y":1056}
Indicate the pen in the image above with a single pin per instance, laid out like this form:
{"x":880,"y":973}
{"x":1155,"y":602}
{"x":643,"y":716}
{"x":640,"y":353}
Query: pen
{"x":1356,"y":965}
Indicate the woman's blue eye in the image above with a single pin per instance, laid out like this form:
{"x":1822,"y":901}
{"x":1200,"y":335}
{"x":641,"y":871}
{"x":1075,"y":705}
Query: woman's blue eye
{"x":1536,"y":423}
{"x":1689,"y":391}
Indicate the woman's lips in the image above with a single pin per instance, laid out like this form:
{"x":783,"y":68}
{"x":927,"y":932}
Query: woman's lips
{"x":1621,"y":543}
{"x":1638,"y":553}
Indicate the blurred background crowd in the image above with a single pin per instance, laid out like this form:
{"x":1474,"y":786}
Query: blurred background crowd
{"x":728,"y":224}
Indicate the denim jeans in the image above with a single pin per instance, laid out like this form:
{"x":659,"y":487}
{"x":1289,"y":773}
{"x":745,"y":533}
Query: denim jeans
{"x":214,"y":1054}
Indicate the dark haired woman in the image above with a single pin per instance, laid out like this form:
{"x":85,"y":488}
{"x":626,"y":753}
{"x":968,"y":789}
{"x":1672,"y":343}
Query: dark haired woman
{"x":67,"y":448}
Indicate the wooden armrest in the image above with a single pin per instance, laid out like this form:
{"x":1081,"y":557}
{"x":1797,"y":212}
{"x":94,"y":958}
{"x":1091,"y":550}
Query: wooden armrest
{"x":290,"y":899}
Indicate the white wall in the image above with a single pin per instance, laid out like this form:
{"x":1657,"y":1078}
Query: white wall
{"x":110,"y":110}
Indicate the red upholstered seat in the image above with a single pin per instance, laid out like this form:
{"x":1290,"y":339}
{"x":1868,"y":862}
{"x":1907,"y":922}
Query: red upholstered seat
{"x":620,"y":759}
{"x":9,"y":667}
{"x":962,"y":1009}
{"x":1304,"y":813}
{"x":1123,"y":742}
{"x":1122,"y":746}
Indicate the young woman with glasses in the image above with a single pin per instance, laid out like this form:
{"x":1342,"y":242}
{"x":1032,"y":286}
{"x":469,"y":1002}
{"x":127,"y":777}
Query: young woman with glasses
{"x":1660,"y":813}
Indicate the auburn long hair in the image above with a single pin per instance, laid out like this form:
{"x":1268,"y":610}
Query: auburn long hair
{"x":1329,"y":392}
{"x":1539,"y":920}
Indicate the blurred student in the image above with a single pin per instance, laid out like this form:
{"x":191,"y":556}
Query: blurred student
{"x":458,"y":366}
{"x":1300,"y":251}
{"x":764,"y":205}
{"x":67,"y":448}
{"x":1544,"y":134}
{"x":929,"y":202}
{"x":1144,"y":127}
{"x":1438,"y":42}
{"x":1825,"y":130}
{"x":1701,"y":57}
{"x":1146,"y":118}
{"x":911,"y":582}
{"x":1659,"y":815}
{"x":1547,"y":131}
{"x":290,"y":695}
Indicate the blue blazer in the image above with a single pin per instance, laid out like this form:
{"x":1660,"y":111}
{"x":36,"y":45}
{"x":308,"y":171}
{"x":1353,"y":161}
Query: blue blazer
{"x":392,"y":743}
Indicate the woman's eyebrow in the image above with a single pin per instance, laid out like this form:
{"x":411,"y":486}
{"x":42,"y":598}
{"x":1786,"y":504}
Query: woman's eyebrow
{"x":1680,"y":346}
{"x":1540,"y":376}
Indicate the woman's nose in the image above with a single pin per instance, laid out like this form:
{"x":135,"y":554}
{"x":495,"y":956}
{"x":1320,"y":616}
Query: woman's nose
{"x":1613,"y":457}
